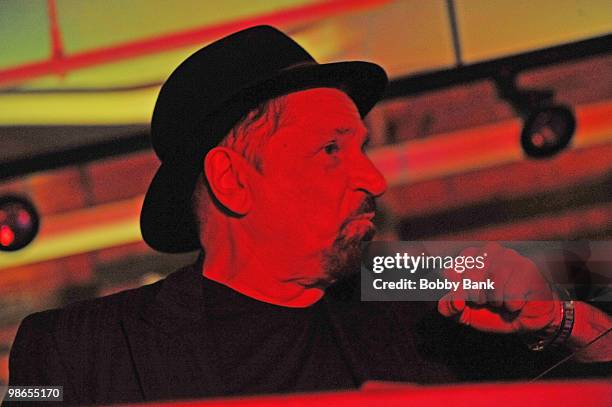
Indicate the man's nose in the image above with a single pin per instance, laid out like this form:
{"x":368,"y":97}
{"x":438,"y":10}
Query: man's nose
{"x":368,"y":178}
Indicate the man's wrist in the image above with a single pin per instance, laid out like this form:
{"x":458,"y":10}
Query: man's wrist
{"x":557,"y":332}
{"x":590,"y":324}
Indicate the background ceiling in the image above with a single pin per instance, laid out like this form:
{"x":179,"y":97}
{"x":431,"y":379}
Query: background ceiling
{"x":69,"y":62}
{"x":99,"y":64}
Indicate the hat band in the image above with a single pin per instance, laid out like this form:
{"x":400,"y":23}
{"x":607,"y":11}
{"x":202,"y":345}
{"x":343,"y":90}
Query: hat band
{"x":299,"y":65}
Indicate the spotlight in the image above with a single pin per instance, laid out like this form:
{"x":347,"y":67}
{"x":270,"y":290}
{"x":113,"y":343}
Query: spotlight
{"x":19,"y":223}
{"x":547,"y":130}
{"x":547,"y":127}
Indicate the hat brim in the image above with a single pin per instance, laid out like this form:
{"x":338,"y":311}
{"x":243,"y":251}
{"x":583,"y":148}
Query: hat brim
{"x":166,"y":219}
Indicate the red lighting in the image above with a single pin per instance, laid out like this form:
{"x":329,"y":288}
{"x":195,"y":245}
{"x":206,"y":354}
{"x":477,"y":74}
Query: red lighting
{"x":23,"y":218}
{"x":6,"y":236}
{"x":19,"y":223}
{"x":538,"y":140}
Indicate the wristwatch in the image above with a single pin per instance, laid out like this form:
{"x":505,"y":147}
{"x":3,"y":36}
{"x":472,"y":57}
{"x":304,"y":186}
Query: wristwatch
{"x":554,"y":335}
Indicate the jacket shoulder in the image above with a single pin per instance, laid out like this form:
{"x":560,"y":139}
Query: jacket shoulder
{"x":48,"y":334}
{"x":97,"y":316}
{"x":84,"y":346}
{"x":105,"y":311}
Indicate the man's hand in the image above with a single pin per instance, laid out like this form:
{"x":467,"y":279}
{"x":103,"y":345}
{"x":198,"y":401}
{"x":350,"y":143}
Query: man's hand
{"x":522,"y":300}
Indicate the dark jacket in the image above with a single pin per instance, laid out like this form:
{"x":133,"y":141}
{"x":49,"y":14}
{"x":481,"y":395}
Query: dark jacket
{"x":139,"y":345}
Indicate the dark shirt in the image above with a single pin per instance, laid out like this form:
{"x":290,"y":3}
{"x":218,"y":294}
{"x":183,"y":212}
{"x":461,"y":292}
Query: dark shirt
{"x":264,"y":348}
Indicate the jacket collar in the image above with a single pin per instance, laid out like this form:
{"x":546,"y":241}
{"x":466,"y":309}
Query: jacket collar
{"x":179,"y":303}
{"x":166,"y":340}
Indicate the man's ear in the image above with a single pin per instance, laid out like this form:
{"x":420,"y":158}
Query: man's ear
{"x":227,"y":176}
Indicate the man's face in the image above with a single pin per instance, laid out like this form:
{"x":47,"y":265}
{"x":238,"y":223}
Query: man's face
{"x":314,"y":198}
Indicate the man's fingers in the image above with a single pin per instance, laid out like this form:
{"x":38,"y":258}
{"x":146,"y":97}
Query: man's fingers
{"x":492,"y":252}
{"x":452,"y":274}
{"x":514,"y":305}
{"x":476,"y":295}
{"x":451,"y":304}
{"x":444,"y":307}
{"x":486,"y":320}
{"x":500,"y":276}
{"x":516,"y":288}
{"x":536,"y":315}
{"x":525,"y":284}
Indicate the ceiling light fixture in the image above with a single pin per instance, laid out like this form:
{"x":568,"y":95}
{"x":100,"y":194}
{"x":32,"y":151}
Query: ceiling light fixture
{"x":19,"y":223}
{"x":548,"y":127}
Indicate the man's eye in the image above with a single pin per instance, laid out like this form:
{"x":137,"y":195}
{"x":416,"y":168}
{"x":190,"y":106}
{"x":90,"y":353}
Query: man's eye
{"x":365,"y":145}
{"x":331,"y":148}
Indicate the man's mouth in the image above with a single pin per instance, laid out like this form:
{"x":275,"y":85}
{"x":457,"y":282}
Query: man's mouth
{"x":368,"y":216}
{"x":361,"y":226}
{"x":360,"y":223}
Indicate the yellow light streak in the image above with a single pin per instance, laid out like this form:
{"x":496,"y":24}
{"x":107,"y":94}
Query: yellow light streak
{"x":81,"y":235}
{"x":106,"y":108}
{"x":71,"y":243}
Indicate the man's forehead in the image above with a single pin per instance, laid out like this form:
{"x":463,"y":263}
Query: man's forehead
{"x":321,"y":92}
{"x":327,"y":108}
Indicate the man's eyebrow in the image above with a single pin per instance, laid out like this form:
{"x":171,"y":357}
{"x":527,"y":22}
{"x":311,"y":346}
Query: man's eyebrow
{"x":341,"y":131}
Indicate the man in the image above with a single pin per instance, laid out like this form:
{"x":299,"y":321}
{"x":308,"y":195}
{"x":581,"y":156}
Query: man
{"x":263,"y":166}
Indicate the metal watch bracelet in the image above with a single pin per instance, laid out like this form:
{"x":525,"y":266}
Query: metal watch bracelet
{"x":557,"y":335}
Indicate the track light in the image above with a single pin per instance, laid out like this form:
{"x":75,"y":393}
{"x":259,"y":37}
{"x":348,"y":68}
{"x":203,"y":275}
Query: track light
{"x":547,"y":127}
{"x":547,"y":130}
{"x":19,"y":223}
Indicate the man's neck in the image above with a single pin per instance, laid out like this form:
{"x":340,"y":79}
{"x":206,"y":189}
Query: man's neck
{"x":253,"y":271}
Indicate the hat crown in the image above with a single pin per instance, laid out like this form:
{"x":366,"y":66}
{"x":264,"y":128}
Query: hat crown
{"x":208,"y":94}
{"x":212,"y":76}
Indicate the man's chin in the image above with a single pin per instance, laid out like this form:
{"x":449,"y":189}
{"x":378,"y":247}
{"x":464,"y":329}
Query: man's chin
{"x":343,"y":259}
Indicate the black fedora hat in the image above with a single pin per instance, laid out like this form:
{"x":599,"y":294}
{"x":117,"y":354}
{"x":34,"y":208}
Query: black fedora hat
{"x":207,"y":94}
